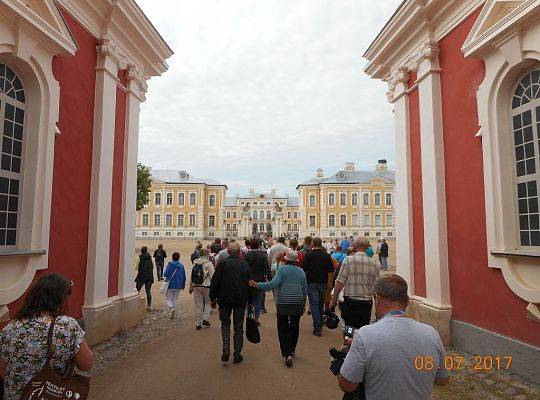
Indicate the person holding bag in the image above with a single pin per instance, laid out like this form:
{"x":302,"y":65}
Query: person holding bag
{"x":24,"y":342}
{"x":175,"y":281}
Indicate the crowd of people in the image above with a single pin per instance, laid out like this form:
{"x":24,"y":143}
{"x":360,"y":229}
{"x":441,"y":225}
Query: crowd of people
{"x":316,"y":277}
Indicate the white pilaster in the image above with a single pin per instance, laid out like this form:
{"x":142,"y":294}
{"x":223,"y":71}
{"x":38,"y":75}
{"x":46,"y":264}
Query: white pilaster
{"x":433,"y":180}
{"x":97,"y":272}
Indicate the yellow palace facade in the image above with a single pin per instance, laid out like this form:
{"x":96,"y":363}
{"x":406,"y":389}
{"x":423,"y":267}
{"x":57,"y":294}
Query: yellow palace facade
{"x":347,"y":203}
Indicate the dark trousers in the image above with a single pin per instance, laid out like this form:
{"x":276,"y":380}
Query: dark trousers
{"x":258,"y":304}
{"x":238,"y":314}
{"x":356,"y":313}
{"x":316,"y":293}
{"x":288,"y":330}
{"x":263,"y":302}
{"x":159,"y":269}
{"x":148,"y":289}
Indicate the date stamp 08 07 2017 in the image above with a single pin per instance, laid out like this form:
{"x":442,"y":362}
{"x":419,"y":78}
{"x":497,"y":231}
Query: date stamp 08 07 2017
{"x":455,"y":362}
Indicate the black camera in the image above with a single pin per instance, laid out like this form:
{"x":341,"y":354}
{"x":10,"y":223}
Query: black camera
{"x":348,"y":331}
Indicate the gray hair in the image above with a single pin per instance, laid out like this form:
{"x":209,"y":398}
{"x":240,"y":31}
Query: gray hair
{"x":361,"y":243}
{"x":392,"y":287}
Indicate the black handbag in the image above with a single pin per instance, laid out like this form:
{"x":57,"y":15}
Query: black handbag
{"x":252,"y":330}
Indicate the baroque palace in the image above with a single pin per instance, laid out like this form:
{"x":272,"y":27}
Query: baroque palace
{"x":348,"y":203}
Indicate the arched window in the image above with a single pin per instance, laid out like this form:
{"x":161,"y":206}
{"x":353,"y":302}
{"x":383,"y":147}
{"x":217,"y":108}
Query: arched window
{"x":365,"y":200}
{"x":255,"y":214}
{"x":261,"y":227}
{"x":228,"y":214}
{"x":261,"y":214}
{"x":192,"y":199}
{"x":268,"y":215}
{"x":377,"y":199}
{"x":234,"y":214}
{"x":12,"y":107}
{"x":169,"y":199}
{"x":312,"y":200}
{"x":331,"y":199}
{"x":388,"y":199}
{"x":157,"y":198}
{"x":181,"y":199}
{"x":354,"y":199}
{"x":212,"y":200}
{"x":268,"y":228}
{"x":526,"y":126}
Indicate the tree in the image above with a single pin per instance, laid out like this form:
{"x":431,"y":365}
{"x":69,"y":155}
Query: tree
{"x":144,"y":181}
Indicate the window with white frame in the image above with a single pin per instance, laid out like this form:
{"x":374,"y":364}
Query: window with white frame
{"x":144,"y":233}
{"x":191,"y":234}
{"x":526,"y":126}
{"x":378,"y":234}
{"x":211,"y":220}
{"x":145,"y":220}
{"x":212,"y":200}
{"x":234,"y":214}
{"x":295,"y":227}
{"x":192,"y":220}
{"x":255,"y":214}
{"x":157,"y":198}
{"x":331,"y":220}
{"x":343,"y":220}
{"x":365,"y":200}
{"x":343,"y":199}
{"x":157,"y":219}
{"x":295,"y":215}
{"x":261,"y":227}
{"x":377,"y":220}
{"x":192,"y":199}
{"x":180,"y":220}
{"x":312,"y":220}
{"x":390,"y":233}
{"x":12,"y":109}
{"x":168,"y":219}
{"x":228,"y":214}
{"x":261,"y":214}
{"x":181,"y":199}
{"x":268,"y":215}
{"x":289,"y":215}
{"x":354,"y":199}
{"x":179,"y":233}
{"x":156,"y":233}
{"x":228,"y":227}
{"x":169,"y":199}
{"x":167,"y":233}
{"x":331,"y":199}
{"x":355,"y":219}
{"x":389,"y":219}
{"x":377,"y":199}
{"x":312,"y":200}
{"x":388,"y":199}
{"x":332,"y":234}
{"x":366,"y":233}
{"x":234,"y":227}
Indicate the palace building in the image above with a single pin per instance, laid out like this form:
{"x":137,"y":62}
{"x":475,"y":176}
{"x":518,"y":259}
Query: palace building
{"x":348,"y":203}
{"x":464,"y":79}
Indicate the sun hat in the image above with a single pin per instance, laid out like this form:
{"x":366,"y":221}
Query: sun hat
{"x":291,"y":256}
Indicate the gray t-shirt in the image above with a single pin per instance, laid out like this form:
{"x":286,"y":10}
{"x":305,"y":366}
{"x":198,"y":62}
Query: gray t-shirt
{"x":382,"y":355}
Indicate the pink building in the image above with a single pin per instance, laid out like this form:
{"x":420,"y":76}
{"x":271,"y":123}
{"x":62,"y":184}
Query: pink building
{"x":464,"y":78}
{"x":72,"y":77}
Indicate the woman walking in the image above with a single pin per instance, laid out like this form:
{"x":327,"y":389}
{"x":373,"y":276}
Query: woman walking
{"x":290,"y":280}
{"x":176,"y":276}
{"x":23,"y":342}
{"x":201,"y":277}
{"x":145,"y":274}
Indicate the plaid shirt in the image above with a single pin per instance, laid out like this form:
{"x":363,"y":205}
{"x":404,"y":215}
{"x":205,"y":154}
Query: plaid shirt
{"x":358,"y":274}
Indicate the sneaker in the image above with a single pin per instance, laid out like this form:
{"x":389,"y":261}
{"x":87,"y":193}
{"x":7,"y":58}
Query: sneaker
{"x":198,"y":327}
{"x":225,"y":356}
{"x":238,"y":359}
{"x":289,"y":361}
{"x":173,"y":311}
{"x":317,"y":333}
{"x":206,"y":323}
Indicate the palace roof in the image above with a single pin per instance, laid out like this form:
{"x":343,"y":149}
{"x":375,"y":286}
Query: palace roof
{"x":181,"y":177}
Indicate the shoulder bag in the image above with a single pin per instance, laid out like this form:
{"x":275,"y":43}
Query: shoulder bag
{"x":165,"y":284}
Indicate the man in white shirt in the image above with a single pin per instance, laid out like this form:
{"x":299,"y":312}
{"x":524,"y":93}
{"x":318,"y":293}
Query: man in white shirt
{"x":276,"y":250}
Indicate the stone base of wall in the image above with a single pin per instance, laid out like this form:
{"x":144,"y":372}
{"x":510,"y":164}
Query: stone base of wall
{"x":103,"y":322}
{"x":437,"y":317}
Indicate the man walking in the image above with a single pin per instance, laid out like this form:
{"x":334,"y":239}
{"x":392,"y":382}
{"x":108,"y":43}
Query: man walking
{"x":276,"y":250}
{"x":356,"y":277}
{"x":317,"y":265}
{"x":383,"y":254}
{"x":259,"y":271}
{"x":230,"y":289}
{"x":160,"y":255}
{"x":223,"y":253}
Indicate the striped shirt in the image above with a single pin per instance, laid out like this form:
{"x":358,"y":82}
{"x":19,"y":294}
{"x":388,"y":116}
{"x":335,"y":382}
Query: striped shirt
{"x":358,"y":273}
{"x":292,"y":285}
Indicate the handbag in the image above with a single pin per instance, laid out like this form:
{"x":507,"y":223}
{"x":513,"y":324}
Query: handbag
{"x":252,"y":330}
{"x":165,"y":284}
{"x":47,"y":384}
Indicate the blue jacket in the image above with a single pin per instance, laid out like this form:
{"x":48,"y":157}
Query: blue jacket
{"x":178,"y":281}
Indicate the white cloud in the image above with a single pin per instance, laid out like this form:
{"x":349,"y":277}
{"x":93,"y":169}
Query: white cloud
{"x":260,"y":93}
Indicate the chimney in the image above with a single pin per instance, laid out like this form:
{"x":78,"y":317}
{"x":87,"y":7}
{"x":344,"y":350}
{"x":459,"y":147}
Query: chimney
{"x":349,"y":166}
{"x":274,"y":192}
{"x":319,"y":174}
{"x":252,"y":191}
{"x":382,"y":166}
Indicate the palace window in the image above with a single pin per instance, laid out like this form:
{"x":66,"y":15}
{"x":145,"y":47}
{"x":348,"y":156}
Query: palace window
{"x":288,"y":227}
{"x":179,"y":233}
{"x":157,"y":219}
{"x":157,"y":198}
{"x":191,"y":234}
{"x":312,"y":200}
{"x":261,"y":214}
{"x":169,"y":199}
{"x":354,"y":199}
{"x":295,"y":227}
{"x":192,"y":199}
{"x":389,"y":220}
{"x":234,"y":214}
{"x":377,"y":199}
{"x":147,"y":199}
{"x":192,"y":220}
{"x":343,"y":220}
{"x":365,"y":200}
{"x":156,"y":233}
{"x":366,"y":234}
{"x":377,"y":220}
{"x":234,"y":227}
{"x":268,"y":203}
{"x":228,"y":227}
{"x":181,"y":199}
{"x":255,"y":214}
{"x":180,"y":221}
{"x":389,"y":234}
{"x":295,"y":215}
{"x":367,"y":220}
{"x":312,"y":220}
{"x":331,"y":199}
{"x":168,"y":219}
{"x":228,"y":214}
{"x":355,"y":220}
{"x":211,"y":220}
{"x":261,"y":227}
{"x":144,"y":233}
{"x":167,"y":233}
{"x":145,"y":220}
{"x":388,"y":199}
{"x":268,"y":215}
{"x":526,"y":126}
{"x":343,"y":199}
{"x":331,"y":220}
{"x":212,"y":200}
{"x":289,"y":214}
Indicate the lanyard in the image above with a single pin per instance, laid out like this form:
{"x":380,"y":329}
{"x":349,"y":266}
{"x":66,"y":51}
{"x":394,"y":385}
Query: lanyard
{"x":395,"y":313}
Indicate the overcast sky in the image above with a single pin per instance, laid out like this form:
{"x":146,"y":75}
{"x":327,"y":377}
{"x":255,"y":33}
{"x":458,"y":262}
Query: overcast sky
{"x":261,"y":93}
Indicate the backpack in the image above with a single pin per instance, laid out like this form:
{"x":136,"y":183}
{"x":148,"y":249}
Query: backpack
{"x":197,"y":274}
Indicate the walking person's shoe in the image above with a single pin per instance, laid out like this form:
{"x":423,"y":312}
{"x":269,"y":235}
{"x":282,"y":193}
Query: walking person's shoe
{"x":206,"y":323}
{"x":317,"y":332}
{"x":173,"y":312}
{"x":289,"y":361}
{"x":198,"y":327}
{"x":264,"y":311}
{"x":225,"y":356}
{"x":238,"y":359}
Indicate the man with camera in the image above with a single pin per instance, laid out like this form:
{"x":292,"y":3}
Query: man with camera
{"x":382,"y":355}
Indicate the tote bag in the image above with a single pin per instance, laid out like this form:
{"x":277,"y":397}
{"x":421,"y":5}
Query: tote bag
{"x":252,"y":330}
{"x":47,"y":384}
{"x":165,"y":284}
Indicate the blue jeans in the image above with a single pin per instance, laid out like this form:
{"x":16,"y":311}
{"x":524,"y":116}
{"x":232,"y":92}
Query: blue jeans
{"x":316,"y":292}
{"x":258,"y":302}
{"x":384,"y":263}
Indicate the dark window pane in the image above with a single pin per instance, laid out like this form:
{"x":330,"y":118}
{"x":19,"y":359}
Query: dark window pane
{"x":17,"y":84}
{"x":536,"y":76}
{"x":531,"y":166}
{"x":19,"y":116}
{"x":519,"y":90}
{"x":9,"y":74}
{"x":534,"y":221}
{"x":531,"y":188}
{"x":3,"y":237}
{"x":8,"y":128}
{"x":529,"y":150}
{"x":3,"y":220}
{"x":518,"y":137}
{"x":520,"y":168}
{"x":538,"y":114}
{"x":533,"y":205}
{"x":535,"y":238}
{"x":4,"y":184}
{"x":18,"y":132}
{"x":526,"y":81}
{"x":520,"y":153}
{"x":517,"y":121}
{"x":524,"y":236}
{"x":3,"y":202}
{"x":528,"y":134}
{"x":535,"y":91}
{"x":20,"y":96}
{"x":16,"y":165}
{"x":522,"y":190}
{"x":7,"y":145}
{"x":11,"y":238}
{"x":6,"y":162}
{"x":528,"y":93}
{"x":17,"y":148}
{"x":14,"y":187}
{"x":523,"y":209}
{"x":12,"y":221}
{"x":516,"y":101}
{"x":523,"y":222}
{"x":13,"y":203}
{"x":527,"y":118}
{"x":10,"y":112}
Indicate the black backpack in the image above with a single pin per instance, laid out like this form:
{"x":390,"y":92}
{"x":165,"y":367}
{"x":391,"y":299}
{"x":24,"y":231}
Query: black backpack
{"x":197,"y":274}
